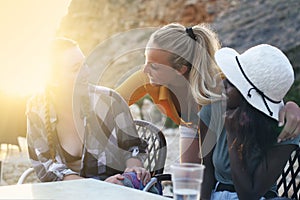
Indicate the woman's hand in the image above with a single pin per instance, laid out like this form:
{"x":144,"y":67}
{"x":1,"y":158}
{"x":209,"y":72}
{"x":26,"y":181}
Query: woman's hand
{"x":72,"y":177}
{"x":141,"y":173}
{"x":291,"y":113}
{"x":116,"y":179}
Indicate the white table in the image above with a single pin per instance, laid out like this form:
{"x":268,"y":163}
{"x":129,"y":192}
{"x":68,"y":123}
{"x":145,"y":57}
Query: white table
{"x":76,"y":189}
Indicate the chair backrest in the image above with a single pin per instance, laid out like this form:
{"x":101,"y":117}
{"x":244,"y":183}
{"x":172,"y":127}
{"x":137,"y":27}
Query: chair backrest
{"x":288,"y":183}
{"x":157,"y":146}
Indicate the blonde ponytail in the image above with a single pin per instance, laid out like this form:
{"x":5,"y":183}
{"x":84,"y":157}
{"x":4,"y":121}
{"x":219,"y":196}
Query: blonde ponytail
{"x":196,"y":52}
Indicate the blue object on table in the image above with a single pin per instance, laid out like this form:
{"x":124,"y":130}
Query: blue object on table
{"x":131,"y":180}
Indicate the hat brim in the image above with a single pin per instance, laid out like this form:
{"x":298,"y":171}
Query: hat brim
{"x":226,"y":60}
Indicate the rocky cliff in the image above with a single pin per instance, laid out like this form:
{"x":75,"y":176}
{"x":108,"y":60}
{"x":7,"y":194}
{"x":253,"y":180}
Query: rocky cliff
{"x":239,"y":23}
{"x":92,"y":21}
{"x":275,"y":22}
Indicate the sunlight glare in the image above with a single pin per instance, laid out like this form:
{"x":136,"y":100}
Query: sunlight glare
{"x":27,"y":26}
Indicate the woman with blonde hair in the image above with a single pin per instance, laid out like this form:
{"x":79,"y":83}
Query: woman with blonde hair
{"x":180,"y":75}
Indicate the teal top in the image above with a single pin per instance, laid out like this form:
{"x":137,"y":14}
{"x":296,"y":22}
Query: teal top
{"x":211,"y":115}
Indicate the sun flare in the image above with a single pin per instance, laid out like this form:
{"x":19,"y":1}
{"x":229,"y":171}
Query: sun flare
{"x":27,"y":26}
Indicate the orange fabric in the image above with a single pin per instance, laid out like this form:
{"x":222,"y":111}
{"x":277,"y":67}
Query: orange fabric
{"x":137,"y":86}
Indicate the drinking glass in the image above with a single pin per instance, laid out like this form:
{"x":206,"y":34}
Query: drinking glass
{"x":187,"y":179}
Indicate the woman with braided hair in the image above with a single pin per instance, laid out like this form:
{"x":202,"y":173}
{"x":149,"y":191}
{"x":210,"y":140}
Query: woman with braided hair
{"x":247,"y":159}
{"x":77,"y":130}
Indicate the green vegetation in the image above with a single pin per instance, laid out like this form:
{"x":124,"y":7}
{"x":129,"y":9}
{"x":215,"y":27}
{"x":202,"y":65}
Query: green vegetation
{"x":294,"y":93}
{"x":294,"y":57}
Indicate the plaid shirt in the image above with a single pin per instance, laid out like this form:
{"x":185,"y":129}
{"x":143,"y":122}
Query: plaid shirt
{"x":112,"y":138}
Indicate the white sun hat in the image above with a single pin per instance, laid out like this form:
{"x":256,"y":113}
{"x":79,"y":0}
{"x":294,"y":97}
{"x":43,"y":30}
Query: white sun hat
{"x":262,"y":74}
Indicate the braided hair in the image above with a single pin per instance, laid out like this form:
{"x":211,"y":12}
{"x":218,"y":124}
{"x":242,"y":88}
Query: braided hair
{"x":48,"y":126}
{"x":256,"y":135}
{"x":57,"y":48}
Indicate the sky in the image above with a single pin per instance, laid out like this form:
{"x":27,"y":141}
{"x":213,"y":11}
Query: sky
{"x":26,"y":27}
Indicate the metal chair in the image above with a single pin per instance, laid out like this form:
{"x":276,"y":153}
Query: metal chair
{"x":157,"y":149}
{"x":288,"y":183}
{"x":24,"y":175}
{"x":157,"y":146}
{"x":157,"y":152}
